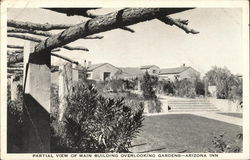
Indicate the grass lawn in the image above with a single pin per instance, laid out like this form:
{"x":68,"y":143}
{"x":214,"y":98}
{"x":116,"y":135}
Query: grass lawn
{"x":238,"y":115}
{"x":175,"y":133}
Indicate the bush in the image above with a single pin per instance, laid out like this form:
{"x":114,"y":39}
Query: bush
{"x":95,"y":124}
{"x":149,"y":84}
{"x":185,"y":88}
{"x":15,"y":123}
{"x":220,"y":145}
{"x":168,"y":87}
{"x":199,"y":87}
{"x":116,"y":85}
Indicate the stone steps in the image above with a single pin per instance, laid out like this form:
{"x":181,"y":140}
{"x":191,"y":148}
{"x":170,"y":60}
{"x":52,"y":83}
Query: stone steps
{"x":190,"y":105}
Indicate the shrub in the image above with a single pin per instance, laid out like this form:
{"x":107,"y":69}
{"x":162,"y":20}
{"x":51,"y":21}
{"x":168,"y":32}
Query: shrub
{"x":116,"y":85}
{"x":15,"y":122}
{"x":95,"y":124}
{"x":199,"y":87}
{"x":220,"y":145}
{"x":149,"y":84}
{"x":168,"y":87}
{"x":185,"y":88}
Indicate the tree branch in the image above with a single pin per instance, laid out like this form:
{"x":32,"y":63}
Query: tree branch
{"x":36,"y":26}
{"x":103,"y":23}
{"x":41,"y":33}
{"x":179,"y":23}
{"x":65,"y":58}
{"x":20,"y":30}
{"x":93,"y":37}
{"x":82,"y":12}
{"x":15,"y":46}
{"x":39,"y":40}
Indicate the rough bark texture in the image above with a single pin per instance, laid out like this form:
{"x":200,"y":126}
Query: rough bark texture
{"x":182,"y":24}
{"x":34,"y":39}
{"x":104,"y":23}
{"x":42,"y":33}
{"x":20,"y":30}
{"x":83,"y":12}
{"x":36,"y":26}
{"x":15,"y":46}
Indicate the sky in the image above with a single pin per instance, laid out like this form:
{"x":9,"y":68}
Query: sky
{"x":218,"y":43}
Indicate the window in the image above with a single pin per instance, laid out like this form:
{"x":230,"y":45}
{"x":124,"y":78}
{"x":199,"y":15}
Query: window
{"x":106,"y":76}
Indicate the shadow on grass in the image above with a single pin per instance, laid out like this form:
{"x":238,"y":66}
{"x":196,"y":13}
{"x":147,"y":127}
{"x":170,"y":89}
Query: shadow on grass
{"x":136,"y":145}
{"x":152,"y":150}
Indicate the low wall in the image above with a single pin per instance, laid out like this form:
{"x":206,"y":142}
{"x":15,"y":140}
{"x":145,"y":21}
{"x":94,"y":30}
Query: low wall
{"x":225,"y":105}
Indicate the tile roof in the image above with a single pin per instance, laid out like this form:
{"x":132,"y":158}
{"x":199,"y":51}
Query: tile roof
{"x":94,"y":66}
{"x":173,"y":70}
{"x":131,"y":70}
{"x":147,"y":66}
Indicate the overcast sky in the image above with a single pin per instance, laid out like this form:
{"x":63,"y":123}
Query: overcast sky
{"x":218,"y":43}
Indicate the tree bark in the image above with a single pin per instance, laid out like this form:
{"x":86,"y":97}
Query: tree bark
{"x":20,"y":30}
{"x":34,"y":39}
{"x":104,"y":23}
{"x":36,"y":26}
{"x":15,"y":46}
{"x":82,"y":12}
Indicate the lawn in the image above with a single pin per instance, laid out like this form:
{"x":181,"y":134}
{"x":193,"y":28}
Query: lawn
{"x":237,"y":115}
{"x":180,"y":132}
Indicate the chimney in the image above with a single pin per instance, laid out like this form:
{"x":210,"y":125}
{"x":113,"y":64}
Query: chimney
{"x":89,"y":63}
{"x":85,"y":64}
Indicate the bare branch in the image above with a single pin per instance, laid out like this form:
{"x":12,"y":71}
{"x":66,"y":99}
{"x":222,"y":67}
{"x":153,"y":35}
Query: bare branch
{"x":24,"y":37}
{"x":20,"y":30}
{"x":104,"y":23}
{"x":181,"y":24}
{"x":36,"y":26}
{"x":39,"y":40}
{"x":94,"y":37}
{"x":85,"y":12}
{"x":15,"y":46}
{"x":75,"y":48}
{"x":65,"y":58}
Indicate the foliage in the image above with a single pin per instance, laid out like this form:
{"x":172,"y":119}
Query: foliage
{"x":97,"y":124}
{"x":169,"y":87}
{"x":222,"y":146}
{"x":116,"y":85}
{"x":199,"y":87}
{"x":224,"y":81}
{"x":15,"y":122}
{"x":148,"y":86}
{"x":185,"y":88}
{"x":130,"y":84}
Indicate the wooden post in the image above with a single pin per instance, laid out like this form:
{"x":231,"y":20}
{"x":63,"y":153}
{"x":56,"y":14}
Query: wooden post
{"x":36,"y":101}
{"x":65,"y":86}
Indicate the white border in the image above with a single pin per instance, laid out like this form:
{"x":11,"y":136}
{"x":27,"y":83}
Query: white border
{"x":128,"y":3}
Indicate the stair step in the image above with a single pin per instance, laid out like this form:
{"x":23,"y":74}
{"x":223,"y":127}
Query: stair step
{"x":188,"y":110}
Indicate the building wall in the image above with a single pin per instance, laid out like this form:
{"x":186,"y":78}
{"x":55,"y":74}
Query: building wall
{"x":97,"y":74}
{"x":190,"y":73}
{"x":170,"y":77}
{"x":154,"y":70}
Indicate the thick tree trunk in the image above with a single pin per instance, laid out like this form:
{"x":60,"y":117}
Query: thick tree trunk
{"x":104,"y":23}
{"x":122,"y":18}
